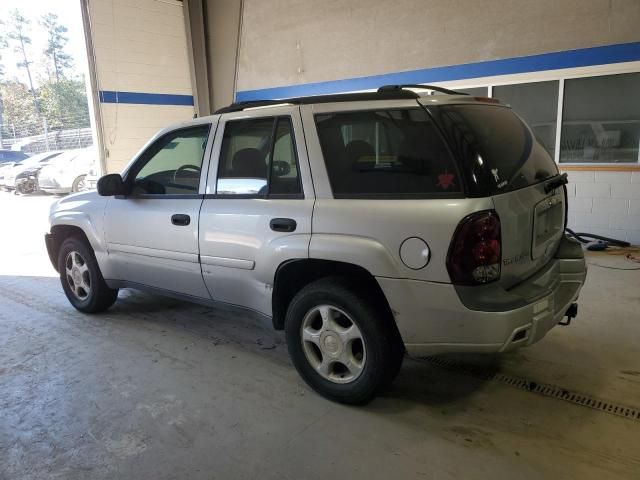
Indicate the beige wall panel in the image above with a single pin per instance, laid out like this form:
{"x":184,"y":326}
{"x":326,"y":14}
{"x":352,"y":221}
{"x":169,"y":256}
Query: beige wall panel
{"x":286,"y":42}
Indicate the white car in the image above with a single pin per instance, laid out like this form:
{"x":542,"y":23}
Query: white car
{"x":8,"y":158}
{"x":10,"y":172}
{"x":68,"y":174}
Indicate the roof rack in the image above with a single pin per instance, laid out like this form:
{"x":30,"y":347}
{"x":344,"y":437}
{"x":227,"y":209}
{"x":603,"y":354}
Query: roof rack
{"x":391,"y":88}
{"x":386,"y":92}
{"x":239,"y":106}
{"x":338,"y":97}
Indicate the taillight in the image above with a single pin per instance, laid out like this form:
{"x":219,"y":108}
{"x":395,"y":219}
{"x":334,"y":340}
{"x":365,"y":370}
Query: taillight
{"x":475,"y":253}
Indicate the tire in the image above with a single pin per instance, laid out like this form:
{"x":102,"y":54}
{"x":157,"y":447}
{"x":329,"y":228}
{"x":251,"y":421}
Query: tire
{"x":372,"y":360}
{"x":81,"y":278}
{"x":79,"y":184}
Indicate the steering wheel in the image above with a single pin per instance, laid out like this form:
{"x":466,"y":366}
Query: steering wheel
{"x":195,"y":168}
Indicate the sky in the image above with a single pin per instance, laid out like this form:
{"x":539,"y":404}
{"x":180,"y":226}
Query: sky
{"x":69,"y":15}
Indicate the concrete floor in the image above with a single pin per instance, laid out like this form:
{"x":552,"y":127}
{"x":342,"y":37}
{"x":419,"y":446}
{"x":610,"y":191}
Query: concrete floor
{"x":161,"y":389}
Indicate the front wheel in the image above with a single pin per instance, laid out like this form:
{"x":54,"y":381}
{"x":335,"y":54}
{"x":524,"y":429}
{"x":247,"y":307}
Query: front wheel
{"x":80,"y":184}
{"x":343,"y":345}
{"x":81,"y":278}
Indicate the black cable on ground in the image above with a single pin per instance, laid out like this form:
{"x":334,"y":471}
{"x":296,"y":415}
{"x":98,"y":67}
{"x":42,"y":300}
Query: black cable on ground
{"x":613,"y":268}
{"x":584,"y":238}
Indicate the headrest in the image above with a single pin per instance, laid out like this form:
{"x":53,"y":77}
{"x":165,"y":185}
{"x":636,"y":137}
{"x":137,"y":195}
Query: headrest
{"x":249,"y":163}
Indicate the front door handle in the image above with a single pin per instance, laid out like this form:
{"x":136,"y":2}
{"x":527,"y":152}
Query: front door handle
{"x":283,"y":224}
{"x":180,"y":219}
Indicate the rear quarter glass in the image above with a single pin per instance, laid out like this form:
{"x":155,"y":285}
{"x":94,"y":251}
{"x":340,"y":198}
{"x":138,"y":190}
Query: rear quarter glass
{"x":391,"y":153}
{"x":497,"y":151}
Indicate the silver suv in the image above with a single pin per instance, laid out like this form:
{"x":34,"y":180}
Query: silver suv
{"x":365,"y":225}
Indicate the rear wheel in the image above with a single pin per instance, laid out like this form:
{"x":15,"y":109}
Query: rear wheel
{"x":81,"y":278}
{"x":343,"y":346}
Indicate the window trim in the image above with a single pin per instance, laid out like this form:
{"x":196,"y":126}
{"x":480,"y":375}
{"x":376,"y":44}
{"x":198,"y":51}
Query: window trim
{"x":268,"y":196}
{"x":395,"y":196}
{"x":142,"y":160}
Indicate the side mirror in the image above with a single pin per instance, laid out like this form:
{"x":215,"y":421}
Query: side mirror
{"x":280,"y":168}
{"x":110,"y":185}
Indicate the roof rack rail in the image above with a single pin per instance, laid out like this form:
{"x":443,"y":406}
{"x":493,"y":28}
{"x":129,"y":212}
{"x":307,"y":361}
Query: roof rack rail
{"x":389,"y":88}
{"x":239,"y":106}
{"x":388,"y":94}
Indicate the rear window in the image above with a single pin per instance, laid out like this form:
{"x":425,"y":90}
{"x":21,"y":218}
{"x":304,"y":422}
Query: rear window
{"x":498,"y":152}
{"x":396,"y":153}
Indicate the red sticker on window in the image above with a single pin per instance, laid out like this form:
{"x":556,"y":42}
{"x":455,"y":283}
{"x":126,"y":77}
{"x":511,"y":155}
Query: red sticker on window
{"x":445,"y":180}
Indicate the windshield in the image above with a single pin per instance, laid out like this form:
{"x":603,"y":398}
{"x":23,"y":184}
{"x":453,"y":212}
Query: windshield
{"x":498,"y":152}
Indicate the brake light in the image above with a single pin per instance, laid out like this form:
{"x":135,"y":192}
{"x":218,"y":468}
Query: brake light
{"x":475,"y":252}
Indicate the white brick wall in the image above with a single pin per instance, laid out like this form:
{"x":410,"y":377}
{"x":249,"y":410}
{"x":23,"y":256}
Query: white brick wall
{"x":605,"y":203}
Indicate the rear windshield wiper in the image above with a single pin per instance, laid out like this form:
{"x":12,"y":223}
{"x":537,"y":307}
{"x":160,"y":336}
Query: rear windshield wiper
{"x":556,"y":182}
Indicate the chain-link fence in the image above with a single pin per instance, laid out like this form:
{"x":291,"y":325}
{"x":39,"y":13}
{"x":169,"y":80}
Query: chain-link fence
{"x":37,"y":136}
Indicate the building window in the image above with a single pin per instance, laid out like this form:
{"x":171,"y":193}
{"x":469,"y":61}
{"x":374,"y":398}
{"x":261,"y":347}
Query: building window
{"x":537,"y":104}
{"x":601,"y":119}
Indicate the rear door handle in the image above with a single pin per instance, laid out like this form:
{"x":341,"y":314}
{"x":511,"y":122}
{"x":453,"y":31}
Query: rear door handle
{"x":283,"y":224}
{"x":180,"y":219}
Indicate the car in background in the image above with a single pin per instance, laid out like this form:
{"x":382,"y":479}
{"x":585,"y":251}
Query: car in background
{"x":8,"y":158}
{"x":9,"y":175}
{"x":26,"y":181}
{"x":12,"y":156}
{"x":69,"y":172}
{"x":93,"y":177}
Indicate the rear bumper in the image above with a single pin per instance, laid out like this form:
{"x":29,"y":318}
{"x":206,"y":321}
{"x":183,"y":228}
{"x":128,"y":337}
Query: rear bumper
{"x":432,"y":318}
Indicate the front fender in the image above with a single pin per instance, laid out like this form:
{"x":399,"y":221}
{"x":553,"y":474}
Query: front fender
{"x":84,"y":211}
{"x":82,"y":221}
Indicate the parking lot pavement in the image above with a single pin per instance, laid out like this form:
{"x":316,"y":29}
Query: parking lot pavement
{"x":23,"y":223}
{"x":157,"y":388}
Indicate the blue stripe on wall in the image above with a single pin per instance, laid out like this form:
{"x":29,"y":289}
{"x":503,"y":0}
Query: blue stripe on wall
{"x":584,"y":57}
{"x":107,"y":96}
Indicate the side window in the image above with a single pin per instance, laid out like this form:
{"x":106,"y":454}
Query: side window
{"x":258,"y":158}
{"x":172,"y":165}
{"x":386,"y":154}
{"x":285,"y":178}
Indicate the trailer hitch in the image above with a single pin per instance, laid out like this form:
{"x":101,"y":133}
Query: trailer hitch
{"x":570,"y":314}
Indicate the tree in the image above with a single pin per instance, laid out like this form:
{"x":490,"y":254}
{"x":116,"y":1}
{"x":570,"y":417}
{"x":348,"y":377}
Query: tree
{"x":19,"y":35}
{"x":56,"y":42}
{"x":19,"y":112}
{"x":3,"y":44}
{"x":64,"y":103}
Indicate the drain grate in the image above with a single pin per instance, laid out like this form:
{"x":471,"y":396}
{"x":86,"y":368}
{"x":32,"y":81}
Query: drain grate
{"x":552,"y":391}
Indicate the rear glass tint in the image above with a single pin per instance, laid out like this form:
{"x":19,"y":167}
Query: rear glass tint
{"x":497,"y":151}
{"x":395,"y":153}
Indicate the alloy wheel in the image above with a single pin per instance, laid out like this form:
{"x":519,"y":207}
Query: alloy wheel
{"x":333,"y":344}
{"x":77,"y":273}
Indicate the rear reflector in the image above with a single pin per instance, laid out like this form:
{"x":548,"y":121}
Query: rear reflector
{"x":475,"y":252}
